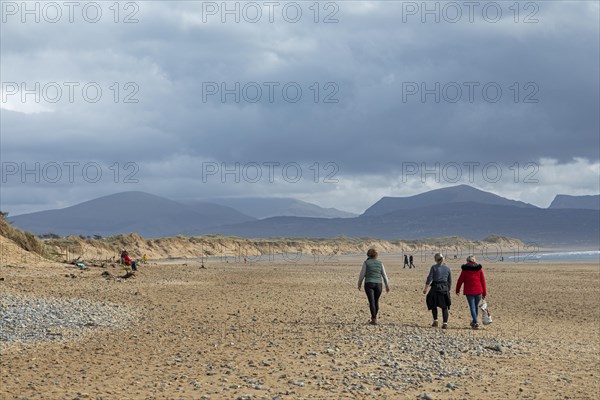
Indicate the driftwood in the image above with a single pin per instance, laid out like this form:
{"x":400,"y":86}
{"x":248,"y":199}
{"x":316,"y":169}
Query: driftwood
{"x":128,"y":274}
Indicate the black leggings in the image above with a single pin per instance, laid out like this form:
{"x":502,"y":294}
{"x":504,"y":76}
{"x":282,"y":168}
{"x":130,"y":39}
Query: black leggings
{"x":373,"y":291}
{"x":444,"y":314}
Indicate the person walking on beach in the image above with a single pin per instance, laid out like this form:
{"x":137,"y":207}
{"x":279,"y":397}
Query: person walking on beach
{"x":410,"y":260}
{"x":372,"y":272}
{"x":475,"y":287}
{"x":439,"y":282}
{"x":406,"y":264}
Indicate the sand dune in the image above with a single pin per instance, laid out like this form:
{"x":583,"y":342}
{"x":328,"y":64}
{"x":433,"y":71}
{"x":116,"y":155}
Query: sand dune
{"x":222,"y":246}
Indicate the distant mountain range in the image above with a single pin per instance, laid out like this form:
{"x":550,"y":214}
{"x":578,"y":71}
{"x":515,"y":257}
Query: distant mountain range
{"x":455,"y":211}
{"x":444,"y":196}
{"x":545,"y":227}
{"x":581,"y":202}
{"x":259,"y":207}
{"x":155,"y":216}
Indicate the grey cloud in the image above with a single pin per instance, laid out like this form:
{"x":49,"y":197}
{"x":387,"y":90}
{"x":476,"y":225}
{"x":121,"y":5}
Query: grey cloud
{"x":368,"y":54}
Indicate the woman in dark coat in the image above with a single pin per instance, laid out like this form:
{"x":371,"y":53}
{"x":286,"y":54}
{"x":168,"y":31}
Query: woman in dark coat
{"x":439,"y":282}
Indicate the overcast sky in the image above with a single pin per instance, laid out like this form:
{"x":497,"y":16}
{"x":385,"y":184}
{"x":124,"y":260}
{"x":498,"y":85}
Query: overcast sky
{"x":362,"y":99}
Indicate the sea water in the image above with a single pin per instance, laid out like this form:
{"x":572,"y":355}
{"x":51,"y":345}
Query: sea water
{"x":558,"y":256}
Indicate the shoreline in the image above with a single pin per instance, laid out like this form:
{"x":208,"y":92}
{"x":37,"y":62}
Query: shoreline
{"x":236,"y":259}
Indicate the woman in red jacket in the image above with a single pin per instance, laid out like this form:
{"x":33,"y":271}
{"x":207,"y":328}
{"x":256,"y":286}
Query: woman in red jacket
{"x":475,"y":288}
{"x":128,"y":261}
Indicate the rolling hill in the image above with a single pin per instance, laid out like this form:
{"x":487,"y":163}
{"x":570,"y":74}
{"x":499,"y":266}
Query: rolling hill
{"x":143,"y":213}
{"x":264,"y":207}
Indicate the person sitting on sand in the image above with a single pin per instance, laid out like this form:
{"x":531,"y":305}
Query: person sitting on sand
{"x":475,"y":287}
{"x":129,"y":261}
{"x":439,"y":282}
{"x":371,"y":272}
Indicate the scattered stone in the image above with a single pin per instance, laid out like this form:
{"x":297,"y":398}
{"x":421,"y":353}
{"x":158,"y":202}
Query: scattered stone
{"x":497,"y":347}
{"x":195,"y":384}
{"x":36,"y":319}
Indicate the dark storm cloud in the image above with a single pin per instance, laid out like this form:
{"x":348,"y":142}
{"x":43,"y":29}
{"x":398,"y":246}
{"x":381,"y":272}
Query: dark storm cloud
{"x":367,"y":60}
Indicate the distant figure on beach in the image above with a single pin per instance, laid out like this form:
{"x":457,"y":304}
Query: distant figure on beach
{"x":128,"y":261}
{"x":475,"y":287}
{"x":439,"y":282}
{"x":406,"y":264}
{"x":372,"y":272}
{"x":122,"y":259}
{"x":411,"y":265}
{"x":145,"y":258}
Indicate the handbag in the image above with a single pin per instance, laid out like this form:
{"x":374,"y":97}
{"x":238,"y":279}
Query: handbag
{"x":486,"y":317}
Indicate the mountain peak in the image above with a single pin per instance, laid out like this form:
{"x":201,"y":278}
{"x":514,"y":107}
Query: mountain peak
{"x":453,"y":194}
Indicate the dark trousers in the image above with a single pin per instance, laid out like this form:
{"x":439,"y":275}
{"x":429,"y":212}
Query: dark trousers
{"x":373,"y":291}
{"x":434,"y":312}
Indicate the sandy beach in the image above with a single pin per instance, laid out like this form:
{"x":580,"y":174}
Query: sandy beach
{"x":283,"y":330}
{"x":189,"y":191}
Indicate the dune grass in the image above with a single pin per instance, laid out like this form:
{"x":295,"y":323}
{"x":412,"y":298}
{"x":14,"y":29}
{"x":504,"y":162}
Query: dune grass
{"x":26,"y":240}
